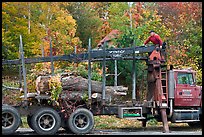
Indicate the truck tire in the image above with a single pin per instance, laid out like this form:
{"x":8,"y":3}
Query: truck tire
{"x":81,"y":121}
{"x":46,"y":121}
{"x":11,"y":119}
{"x":66,"y":127}
{"x":195,"y":124}
{"x":29,"y":117}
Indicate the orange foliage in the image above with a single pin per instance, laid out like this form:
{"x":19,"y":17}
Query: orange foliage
{"x":177,"y":56}
{"x":104,"y":30}
{"x":136,"y":13}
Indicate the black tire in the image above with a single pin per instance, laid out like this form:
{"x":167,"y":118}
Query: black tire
{"x":29,"y":117}
{"x":81,"y":121}
{"x":65,"y":126}
{"x":11,"y":119}
{"x":195,"y":124}
{"x":67,"y":129}
{"x":46,"y":121}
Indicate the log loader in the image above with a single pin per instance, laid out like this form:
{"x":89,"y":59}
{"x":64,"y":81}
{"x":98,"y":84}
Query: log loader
{"x":172,"y":95}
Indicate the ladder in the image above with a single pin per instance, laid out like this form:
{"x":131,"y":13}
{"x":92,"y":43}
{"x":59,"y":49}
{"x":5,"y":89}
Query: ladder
{"x":164,"y":85}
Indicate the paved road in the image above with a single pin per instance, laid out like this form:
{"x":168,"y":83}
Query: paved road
{"x":139,"y":131}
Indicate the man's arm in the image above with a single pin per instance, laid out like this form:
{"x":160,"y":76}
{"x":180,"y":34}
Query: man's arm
{"x":159,"y":39}
{"x":146,"y":41}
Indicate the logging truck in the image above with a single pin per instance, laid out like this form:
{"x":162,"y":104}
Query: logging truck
{"x":172,"y":95}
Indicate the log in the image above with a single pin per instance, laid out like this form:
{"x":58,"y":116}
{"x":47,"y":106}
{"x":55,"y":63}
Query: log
{"x":81,"y":84}
{"x":78,"y":83}
{"x":42,"y":84}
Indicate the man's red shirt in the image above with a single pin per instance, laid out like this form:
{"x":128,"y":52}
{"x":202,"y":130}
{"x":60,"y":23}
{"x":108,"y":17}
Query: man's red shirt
{"x":155,"y":39}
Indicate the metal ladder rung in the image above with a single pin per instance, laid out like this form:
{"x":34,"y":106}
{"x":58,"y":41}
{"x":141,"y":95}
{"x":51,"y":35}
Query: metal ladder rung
{"x":164,"y":87}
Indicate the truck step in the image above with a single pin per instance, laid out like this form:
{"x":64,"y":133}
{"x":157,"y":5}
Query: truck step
{"x":135,"y":118}
{"x":130,"y":112}
{"x":180,"y":115}
{"x":184,"y":121}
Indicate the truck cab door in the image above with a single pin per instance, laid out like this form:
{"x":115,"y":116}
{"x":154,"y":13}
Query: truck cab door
{"x":186,"y":91}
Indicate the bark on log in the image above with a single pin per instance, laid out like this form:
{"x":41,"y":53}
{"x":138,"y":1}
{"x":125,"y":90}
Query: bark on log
{"x":81,"y":84}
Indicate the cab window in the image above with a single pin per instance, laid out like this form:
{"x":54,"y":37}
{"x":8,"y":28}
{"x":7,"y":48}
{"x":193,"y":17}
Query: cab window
{"x":185,"y":78}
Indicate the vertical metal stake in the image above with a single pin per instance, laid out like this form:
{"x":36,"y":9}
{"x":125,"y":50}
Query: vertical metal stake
{"x":23,"y":67}
{"x":20,"y":77}
{"x":116,"y":74}
{"x":104,"y":75}
{"x":52,"y":65}
{"x":89,"y":72}
{"x":20,"y":70}
{"x":133,"y":78}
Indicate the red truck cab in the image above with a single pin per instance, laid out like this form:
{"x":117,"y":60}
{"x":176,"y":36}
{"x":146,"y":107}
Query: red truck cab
{"x":187,"y":93}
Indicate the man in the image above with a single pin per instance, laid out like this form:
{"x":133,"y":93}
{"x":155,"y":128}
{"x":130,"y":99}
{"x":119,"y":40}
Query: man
{"x":154,"y":38}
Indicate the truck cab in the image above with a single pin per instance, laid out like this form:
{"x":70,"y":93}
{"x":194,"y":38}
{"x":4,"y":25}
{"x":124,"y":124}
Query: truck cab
{"x":187,"y":93}
{"x":185,"y":97}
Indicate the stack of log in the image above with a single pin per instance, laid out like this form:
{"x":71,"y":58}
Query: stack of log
{"x":78,"y":84}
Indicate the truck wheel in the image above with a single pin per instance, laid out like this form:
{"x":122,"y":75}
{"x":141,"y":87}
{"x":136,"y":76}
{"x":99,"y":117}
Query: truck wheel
{"x":195,"y":124}
{"x":10,"y":119}
{"x":66,"y":127}
{"x":46,"y":121}
{"x":81,"y":121}
{"x":29,"y":117}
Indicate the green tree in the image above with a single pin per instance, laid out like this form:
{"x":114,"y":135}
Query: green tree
{"x":87,"y":20}
{"x":144,"y":18}
{"x":14,"y":23}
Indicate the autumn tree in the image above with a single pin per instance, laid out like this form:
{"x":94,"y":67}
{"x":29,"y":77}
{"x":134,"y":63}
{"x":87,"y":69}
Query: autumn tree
{"x":38,"y":23}
{"x":14,"y":23}
{"x":102,"y":10}
{"x":185,"y":42}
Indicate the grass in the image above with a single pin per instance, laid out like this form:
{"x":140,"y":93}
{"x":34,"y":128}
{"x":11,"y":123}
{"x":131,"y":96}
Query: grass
{"x":24,"y":123}
{"x":112,"y":122}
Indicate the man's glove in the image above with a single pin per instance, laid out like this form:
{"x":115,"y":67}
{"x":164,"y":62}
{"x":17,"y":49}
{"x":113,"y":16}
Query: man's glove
{"x":164,"y":45}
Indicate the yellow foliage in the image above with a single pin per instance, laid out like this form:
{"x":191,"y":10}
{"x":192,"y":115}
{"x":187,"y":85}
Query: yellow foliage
{"x":55,"y":86}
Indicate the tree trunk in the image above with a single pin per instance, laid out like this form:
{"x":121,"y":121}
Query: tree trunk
{"x":80,"y":84}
